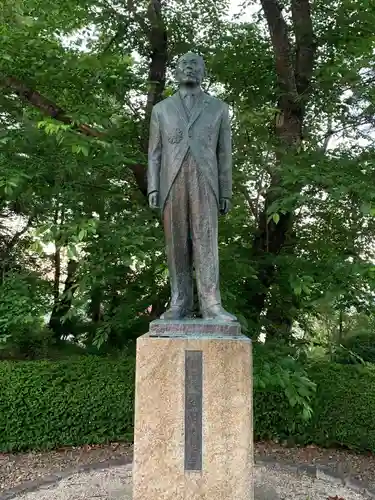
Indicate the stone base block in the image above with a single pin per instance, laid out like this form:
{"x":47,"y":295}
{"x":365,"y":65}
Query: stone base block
{"x":193,"y":416}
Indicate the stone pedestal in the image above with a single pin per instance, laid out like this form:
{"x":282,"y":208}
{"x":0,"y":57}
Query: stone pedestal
{"x":193,"y":413}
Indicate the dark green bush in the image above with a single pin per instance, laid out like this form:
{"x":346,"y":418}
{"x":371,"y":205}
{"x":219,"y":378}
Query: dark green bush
{"x":47,"y":404}
{"x":344,"y":406}
{"x":343,"y":409}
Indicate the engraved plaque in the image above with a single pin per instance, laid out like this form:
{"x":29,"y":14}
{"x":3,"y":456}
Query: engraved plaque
{"x":193,"y":410}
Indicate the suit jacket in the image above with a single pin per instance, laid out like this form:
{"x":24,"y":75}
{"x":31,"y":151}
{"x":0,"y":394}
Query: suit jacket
{"x":206,"y":133}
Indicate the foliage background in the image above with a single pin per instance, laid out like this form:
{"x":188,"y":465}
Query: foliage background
{"x":82,"y":267}
{"x":79,"y":80}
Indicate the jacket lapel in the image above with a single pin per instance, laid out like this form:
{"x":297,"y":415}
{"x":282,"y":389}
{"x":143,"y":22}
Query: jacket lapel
{"x":176,"y":98}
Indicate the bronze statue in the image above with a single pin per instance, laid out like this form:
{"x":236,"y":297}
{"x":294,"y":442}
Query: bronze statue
{"x":190,"y":180}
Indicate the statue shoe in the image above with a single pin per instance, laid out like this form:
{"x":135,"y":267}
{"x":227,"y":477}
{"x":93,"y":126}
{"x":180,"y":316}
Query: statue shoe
{"x":218,"y":313}
{"x":175,"y":313}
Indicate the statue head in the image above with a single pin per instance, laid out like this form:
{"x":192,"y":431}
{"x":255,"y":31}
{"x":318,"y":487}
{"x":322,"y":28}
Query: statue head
{"x":190,"y":69}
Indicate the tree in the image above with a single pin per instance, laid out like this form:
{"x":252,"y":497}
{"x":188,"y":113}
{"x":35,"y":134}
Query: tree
{"x":78,"y":84}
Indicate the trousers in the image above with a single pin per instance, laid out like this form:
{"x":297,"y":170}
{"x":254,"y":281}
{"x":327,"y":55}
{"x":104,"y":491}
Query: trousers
{"x":190,"y":219}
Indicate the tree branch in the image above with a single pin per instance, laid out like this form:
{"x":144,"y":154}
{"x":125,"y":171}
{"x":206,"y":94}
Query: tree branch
{"x":249,"y":201}
{"x":46,"y":106}
{"x":14,"y":240}
{"x":330,"y":133}
{"x":51,"y":109}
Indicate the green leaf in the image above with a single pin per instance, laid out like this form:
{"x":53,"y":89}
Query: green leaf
{"x":82,"y":234}
{"x":275,"y":218}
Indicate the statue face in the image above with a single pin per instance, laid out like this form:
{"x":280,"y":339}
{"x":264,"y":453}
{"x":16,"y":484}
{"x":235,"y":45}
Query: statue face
{"x":190,"y":69}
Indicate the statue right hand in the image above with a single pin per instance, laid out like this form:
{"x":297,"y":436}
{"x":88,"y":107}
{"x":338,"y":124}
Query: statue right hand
{"x":153,"y":199}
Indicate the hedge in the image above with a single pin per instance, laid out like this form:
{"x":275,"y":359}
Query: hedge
{"x":344,"y":407}
{"x":46,"y":404}
{"x":343,"y":410}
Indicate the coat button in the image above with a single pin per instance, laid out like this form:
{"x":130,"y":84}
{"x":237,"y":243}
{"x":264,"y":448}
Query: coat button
{"x":190,"y":135}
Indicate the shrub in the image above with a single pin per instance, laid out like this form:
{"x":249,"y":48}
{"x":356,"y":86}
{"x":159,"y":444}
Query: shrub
{"x":47,"y":404}
{"x":88,"y":400}
{"x":282,"y":391}
{"x":344,"y":406}
{"x":343,"y":409}
{"x":27,"y":343}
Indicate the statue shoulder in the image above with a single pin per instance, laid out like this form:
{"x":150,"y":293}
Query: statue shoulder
{"x":162,"y":105}
{"x":216,"y":101}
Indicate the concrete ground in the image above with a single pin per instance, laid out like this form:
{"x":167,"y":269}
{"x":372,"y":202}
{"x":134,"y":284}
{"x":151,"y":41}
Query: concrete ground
{"x":114,"y":483}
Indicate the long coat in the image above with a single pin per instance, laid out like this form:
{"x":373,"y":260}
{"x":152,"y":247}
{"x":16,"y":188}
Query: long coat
{"x":206,"y":133}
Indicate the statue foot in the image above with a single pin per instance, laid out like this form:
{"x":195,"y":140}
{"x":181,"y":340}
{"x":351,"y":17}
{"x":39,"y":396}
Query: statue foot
{"x":219,"y":313}
{"x":175,"y":313}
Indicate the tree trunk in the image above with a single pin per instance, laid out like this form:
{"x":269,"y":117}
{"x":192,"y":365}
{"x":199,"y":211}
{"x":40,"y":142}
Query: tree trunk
{"x":341,"y":326}
{"x":95,"y":307}
{"x":56,"y":264}
{"x":281,"y":312}
{"x":60,"y":325}
{"x":57,"y":274}
{"x":294,"y":77}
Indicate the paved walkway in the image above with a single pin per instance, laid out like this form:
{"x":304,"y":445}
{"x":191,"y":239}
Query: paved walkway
{"x":272,"y":482}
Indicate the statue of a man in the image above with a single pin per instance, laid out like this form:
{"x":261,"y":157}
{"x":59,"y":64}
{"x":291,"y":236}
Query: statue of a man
{"x":190,"y":180}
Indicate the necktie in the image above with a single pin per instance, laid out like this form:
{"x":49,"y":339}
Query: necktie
{"x":189,"y":101}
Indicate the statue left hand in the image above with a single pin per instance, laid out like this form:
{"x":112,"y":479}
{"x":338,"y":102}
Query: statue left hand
{"x":224,"y":206}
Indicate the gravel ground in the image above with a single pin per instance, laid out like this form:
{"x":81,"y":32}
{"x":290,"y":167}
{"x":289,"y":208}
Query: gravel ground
{"x":115,"y":484}
{"x":346,"y":463}
{"x":18,"y":468}
{"x":107,"y":484}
